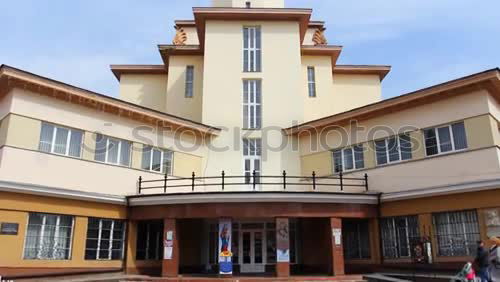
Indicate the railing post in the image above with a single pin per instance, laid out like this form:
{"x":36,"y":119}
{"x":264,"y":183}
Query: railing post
{"x":140,"y":184}
{"x":254,"y":174}
{"x":165,"y":183}
{"x":366,"y":182}
{"x":192,"y":181}
{"x":223,"y":174}
{"x":341,"y":182}
{"x":284,"y":180}
{"x":314,"y":180}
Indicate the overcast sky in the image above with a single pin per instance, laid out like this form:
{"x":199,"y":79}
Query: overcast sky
{"x":425,"y":41}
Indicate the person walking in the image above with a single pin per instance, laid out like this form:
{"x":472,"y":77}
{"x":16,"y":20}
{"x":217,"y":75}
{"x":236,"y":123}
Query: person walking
{"x":483,"y":262}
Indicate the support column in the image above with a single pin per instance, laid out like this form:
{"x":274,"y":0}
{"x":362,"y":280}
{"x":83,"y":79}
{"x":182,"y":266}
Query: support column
{"x":282,"y":247}
{"x":337,"y":248}
{"x":170,"y":265}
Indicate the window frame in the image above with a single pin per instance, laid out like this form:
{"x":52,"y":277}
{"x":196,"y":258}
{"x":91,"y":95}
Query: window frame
{"x":311,"y":82}
{"x":148,"y":245}
{"x":255,"y":157}
{"x":55,"y":129}
{"x":449,"y":127}
{"x":164,"y":153}
{"x":110,"y":239}
{"x":252,"y":90}
{"x":256,"y":64}
{"x":42,"y":231}
{"x":359,"y":225}
{"x":342,"y":152}
{"x":119,"y":153}
{"x":189,"y":82}
{"x":394,"y":231}
{"x":387,"y":151}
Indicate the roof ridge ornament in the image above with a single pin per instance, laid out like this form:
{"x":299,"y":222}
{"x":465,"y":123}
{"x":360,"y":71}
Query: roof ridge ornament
{"x":180,"y":37}
{"x":319,"y":37}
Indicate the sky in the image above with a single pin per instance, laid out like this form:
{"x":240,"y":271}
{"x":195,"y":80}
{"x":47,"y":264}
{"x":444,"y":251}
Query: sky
{"x":425,"y":41}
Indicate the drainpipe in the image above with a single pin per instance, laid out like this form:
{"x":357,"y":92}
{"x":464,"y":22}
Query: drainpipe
{"x":379,"y":214}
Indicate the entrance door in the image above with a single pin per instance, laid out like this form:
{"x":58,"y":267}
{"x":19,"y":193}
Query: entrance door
{"x":253,"y":251}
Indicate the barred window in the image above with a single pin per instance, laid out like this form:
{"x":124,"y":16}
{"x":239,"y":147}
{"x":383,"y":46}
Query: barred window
{"x":159,"y":160}
{"x":445,"y":139}
{"x":356,"y":237}
{"x":149,"y":240}
{"x":457,"y":233}
{"x":48,"y":237}
{"x":398,"y":235}
{"x":348,"y":159}
{"x":105,"y":239}
{"x":60,"y":140}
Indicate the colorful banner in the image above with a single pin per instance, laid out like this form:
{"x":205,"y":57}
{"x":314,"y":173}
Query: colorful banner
{"x":282,"y":240}
{"x":225,"y":255}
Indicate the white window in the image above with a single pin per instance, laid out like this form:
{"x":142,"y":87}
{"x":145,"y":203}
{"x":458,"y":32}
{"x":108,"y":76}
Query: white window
{"x":348,"y":159}
{"x":48,"y":237}
{"x":252,"y":104}
{"x":105,"y":238}
{"x":159,"y":160}
{"x":311,"y":81}
{"x":60,"y":140}
{"x":393,"y":149}
{"x":252,"y":152}
{"x":189,"y":81}
{"x":251,"y":49}
{"x":149,"y":240}
{"x":112,"y":151}
{"x":445,"y":139}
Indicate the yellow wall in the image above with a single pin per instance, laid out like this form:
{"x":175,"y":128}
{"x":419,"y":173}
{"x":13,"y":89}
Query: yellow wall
{"x":148,"y":90}
{"x":15,"y":208}
{"x":176,"y":103}
{"x":23,"y":132}
{"x":321,"y":163}
{"x":186,"y":164}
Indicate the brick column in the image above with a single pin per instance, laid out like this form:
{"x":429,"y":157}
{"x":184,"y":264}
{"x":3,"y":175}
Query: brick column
{"x":170,"y":265}
{"x":283,"y":247}
{"x":337,"y":249}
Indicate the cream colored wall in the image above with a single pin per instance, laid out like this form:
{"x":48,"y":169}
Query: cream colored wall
{"x":192,"y":36}
{"x":254,"y":3}
{"x":308,"y":38}
{"x":223,"y":94}
{"x":326,"y":100}
{"x":177,"y":103}
{"x":148,"y":90}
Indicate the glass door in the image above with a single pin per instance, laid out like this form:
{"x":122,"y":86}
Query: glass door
{"x":253,"y":251}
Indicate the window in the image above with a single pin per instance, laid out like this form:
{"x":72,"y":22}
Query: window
{"x":348,"y":159}
{"x":104,"y":239}
{"x":112,"y":151}
{"x":149,"y":240}
{"x":189,"y":81}
{"x":457,"y":233}
{"x":159,"y":160}
{"x":445,"y":139}
{"x":311,"y":81}
{"x":60,"y":140}
{"x":356,"y":237}
{"x":252,"y":107}
{"x":48,"y":237}
{"x":398,"y":235}
{"x":393,"y":149}
{"x":248,"y":4}
{"x":252,"y":151}
{"x":251,"y":49}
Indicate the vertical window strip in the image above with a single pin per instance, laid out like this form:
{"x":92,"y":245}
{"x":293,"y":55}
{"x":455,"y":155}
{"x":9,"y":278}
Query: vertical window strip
{"x":444,"y":139}
{"x":252,"y":49}
{"x":252,"y":104}
{"x":189,"y":82}
{"x":252,"y":151}
{"x":60,"y":140}
{"x":311,"y":81}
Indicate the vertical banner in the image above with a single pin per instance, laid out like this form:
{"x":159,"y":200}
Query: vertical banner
{"x":168,"y":245}
{"x":225,"y":255}
{"x":337,"y":236}
{"x":282,"y":240}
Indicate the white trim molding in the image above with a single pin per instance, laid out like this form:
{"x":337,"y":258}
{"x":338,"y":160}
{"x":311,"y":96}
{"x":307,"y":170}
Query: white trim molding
{"x":33,"y":189}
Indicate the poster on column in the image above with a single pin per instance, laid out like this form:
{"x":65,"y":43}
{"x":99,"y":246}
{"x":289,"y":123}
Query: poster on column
{"x":168,"y":245}
{"x":225,"y":255}
{"x":282,"y":240}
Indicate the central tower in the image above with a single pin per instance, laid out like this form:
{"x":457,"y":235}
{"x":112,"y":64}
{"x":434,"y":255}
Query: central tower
{"x":249,"y":3}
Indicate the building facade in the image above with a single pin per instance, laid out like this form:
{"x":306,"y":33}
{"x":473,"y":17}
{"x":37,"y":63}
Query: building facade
{"x":248,"y":151}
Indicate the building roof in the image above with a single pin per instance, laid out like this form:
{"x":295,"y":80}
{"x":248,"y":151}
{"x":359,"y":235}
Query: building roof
{"x":118,"y":70}
{"x":489,"y":80}
{"x":379,"y":70}
{"x":11,"y":77}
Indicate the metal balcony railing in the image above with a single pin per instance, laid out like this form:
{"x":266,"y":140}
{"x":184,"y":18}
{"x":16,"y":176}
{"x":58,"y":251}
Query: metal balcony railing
{"x":252,"y":182}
